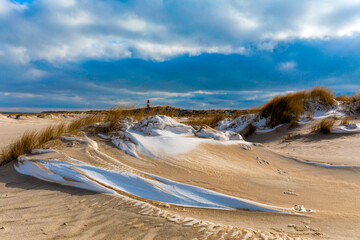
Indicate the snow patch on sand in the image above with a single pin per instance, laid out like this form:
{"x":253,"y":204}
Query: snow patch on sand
{"x":218,"y":135}
{"x":160,"y":125}
{"x":324,"y":164}
{"x":347,"y":128}
{"x":59,"y":172}
{"x":40,"y":151}
{"x":239,"y":124}
{"x":161,"y":136}
{"x":146,"y":186}
{"x":236,"y":125}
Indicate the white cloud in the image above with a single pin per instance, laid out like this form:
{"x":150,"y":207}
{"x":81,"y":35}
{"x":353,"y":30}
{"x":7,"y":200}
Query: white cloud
{"x":14,"y":55}
{"x":20,"y":95}
{"x":7,"y":6}
{"x":75,"y":30}
{"x":287,"y":66}
{"x":35,"y":74}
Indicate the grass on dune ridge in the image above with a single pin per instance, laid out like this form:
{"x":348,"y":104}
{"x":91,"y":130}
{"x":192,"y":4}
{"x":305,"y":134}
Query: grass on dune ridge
{"x":33,"y":139}
{"x":288,"y":108}
{"x":281,"y":109}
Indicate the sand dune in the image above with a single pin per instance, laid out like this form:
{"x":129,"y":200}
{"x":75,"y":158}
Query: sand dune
{"x":192,"y":192}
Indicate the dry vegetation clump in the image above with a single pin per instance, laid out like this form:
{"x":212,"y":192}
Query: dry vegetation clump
{"x":345,"y":121}
{"x":283,"y":109}
{"x":288,"y":108}
{"x":349,"y":99}
{"x":356,"y":97}
{"x":116,"y":113}
{"x":27,"y":142}
{"x":344,"y":98}
{"x":248,"y":131}
{"x":75,"y":125}
{"x":210,"y":120}
{"x":325,"y":125}
{"x":322,"y":94}
{"x":32,"y":139}
{"x":288,"y":136}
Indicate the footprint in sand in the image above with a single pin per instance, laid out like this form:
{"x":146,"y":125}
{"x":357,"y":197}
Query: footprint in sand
{"x":281,"y":171}
{"x":290,"y":192}
{"x":262,"y":161}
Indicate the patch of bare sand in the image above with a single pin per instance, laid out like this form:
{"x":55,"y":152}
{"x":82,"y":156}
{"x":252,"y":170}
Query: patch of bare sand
{"x":300,"y":142}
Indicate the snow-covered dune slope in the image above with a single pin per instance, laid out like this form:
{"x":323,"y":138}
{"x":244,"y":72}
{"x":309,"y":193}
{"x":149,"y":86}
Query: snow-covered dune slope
{"x":145,"y":186}
{"x":156,"y":136}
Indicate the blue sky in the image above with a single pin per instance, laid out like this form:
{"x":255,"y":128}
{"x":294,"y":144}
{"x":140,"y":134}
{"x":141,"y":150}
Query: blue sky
{"x":87,"y":54}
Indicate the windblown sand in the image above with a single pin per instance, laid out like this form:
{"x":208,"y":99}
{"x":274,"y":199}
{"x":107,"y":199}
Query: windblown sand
{"x":35,"y":209}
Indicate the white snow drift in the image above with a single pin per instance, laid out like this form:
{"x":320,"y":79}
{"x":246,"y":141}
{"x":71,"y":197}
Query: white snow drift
{"x":161,"y":137}
{"x":147,"y":186}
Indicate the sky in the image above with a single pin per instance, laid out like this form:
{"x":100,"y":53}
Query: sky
{"x":91,"y":54}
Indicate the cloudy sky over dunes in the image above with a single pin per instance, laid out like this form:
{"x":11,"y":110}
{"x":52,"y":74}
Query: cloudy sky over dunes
{"x":89,"y":54}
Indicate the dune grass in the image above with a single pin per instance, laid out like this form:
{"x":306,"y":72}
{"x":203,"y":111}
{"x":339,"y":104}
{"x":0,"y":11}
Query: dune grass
{"x":248,"y":131}
{"x":349,"y":99}
{"x":288,"y":108}
{"x":27,"y":142}
{"x":345,"y":121}
{"x":344,"y":98}
{"x":210,"y":120}
{"x":325,"y":125}
{"x":33,"y":139}
{"x":322,"y":94}
{"x":283,"y":109}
